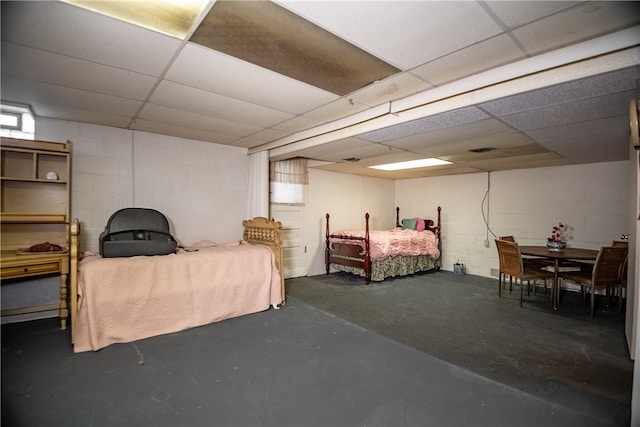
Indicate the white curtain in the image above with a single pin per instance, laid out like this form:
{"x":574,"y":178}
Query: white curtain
{"x":289,"y":179}
{"x":258,"y":185}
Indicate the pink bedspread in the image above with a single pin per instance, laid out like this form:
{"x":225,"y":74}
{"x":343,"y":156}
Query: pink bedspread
{"x":386,"y":243}
{"x":127,"y":299}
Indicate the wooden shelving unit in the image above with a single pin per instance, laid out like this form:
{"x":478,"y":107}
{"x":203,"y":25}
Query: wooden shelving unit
{"x":35,"y":187}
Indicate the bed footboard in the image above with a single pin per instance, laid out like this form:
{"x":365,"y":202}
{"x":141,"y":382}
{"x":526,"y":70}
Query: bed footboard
{"x":263,"y":231}
{"x":355,"y":254}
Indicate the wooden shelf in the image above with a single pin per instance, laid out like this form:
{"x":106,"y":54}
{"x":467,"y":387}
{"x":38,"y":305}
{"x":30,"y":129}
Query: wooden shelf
{"x":34,"y":210}
{"x":48,"y":181}
{"x":31,"y":218}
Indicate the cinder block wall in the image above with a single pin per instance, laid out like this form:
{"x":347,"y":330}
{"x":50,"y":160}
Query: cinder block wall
{"x":201,"y":187}
{"x":593,"y":199}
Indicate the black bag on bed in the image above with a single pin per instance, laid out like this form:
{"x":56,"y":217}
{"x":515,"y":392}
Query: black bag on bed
{"x":136,"y":231}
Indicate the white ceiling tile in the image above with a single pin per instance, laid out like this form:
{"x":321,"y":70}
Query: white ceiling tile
{"x":346,"y":149}
{"x":616,"y":81}
{"x":296,"y":124}
{"x":605,"y":126}
{"x":181,"y":97}
{"x":215,"y":72}
{"x":389,"y":89}
{"x":585,"y":110}
{"x":164,"y":128}
{"x":79,"y":115}
{"x":608,"y":147}
{"x":74,"y":73}
{"x":259,"y":138}
{"x":466,"y":156}
{"x":445,"y":137}
{"x":158,"y":113}
{"x":427,"y":124}
{"x":479,"y":57}
{"x":403,"y":33}
{"x":527,"y":11}
{"x":341,"y":107}
{"x":521,"y":162}
{"x":44,"y":93}
{"x":578,"y":24}
{"x":72,"y":31}
{"x":500,"y":143}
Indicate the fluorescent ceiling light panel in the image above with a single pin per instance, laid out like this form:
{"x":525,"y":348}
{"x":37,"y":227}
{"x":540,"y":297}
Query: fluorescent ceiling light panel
{"x":171,"y":17}
{"x":411,"y":164}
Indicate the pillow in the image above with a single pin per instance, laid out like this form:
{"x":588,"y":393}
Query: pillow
{"x":420,"y":225}
{"x":409,"y":223}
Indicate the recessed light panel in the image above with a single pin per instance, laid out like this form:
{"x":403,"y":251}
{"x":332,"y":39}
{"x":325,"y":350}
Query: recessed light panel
{"x":412,"y":164}
{"x":171,"y":17}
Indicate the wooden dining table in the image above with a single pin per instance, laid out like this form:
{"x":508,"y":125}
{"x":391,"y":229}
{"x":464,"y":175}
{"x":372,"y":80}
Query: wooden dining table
{"x":567,"y":254}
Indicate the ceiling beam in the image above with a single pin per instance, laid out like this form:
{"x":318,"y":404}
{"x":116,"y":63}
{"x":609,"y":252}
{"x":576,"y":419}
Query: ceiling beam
{"x":604,"y":54}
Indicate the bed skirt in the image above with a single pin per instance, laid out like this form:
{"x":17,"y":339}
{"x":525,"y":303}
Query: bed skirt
{"x":394,"y":266}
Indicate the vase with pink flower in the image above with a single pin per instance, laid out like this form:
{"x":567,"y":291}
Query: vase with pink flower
{"x":558,"y":240}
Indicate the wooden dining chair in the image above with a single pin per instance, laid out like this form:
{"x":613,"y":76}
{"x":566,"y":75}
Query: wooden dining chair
{"x":512,"y":265}
{"x":606,"y":272}
{"x":528,"y":261}
{"x":501,"y":277}
{"x":623,"y":272}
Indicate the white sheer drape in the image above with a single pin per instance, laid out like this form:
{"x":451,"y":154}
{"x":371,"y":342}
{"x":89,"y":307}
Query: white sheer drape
{"x":258,"y":185}
{"x":293,"y":171}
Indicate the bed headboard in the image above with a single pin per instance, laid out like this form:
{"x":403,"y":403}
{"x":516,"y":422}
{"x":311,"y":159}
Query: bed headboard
{"x":263,"y":231}
{"x":430,"y":225}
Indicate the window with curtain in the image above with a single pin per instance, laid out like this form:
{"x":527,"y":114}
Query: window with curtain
{"x":288,"y":181}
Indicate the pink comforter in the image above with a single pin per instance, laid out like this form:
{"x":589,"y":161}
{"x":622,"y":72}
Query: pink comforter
{"x":386,"y":243}
{"x":127,"y":299}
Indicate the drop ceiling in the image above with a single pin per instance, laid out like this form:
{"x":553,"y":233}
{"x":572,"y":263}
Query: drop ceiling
{"x":488,"y":86}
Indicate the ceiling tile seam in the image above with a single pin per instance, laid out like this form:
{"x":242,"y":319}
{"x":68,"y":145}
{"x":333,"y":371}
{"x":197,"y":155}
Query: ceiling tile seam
{"x":327,"y":128}
{"x":47,"y":83}
{"x":101,"y":64}
{"x":505,"y":28}
{"x":506,"y":31}
{"x":171,"y":61}
{"x":605,"y":45}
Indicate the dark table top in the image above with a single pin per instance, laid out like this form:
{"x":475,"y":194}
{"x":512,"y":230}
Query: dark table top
{"x":567,"y":253}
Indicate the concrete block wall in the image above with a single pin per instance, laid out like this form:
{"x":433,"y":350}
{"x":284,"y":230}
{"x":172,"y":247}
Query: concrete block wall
{"x":201,"y":187}
{"x":593,"y":199}
{"x":347,"y":198}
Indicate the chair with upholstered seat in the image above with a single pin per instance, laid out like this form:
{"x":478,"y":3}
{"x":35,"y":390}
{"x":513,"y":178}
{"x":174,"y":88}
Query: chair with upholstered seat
{"x":512,"y":265}
{"x":606,"y":272}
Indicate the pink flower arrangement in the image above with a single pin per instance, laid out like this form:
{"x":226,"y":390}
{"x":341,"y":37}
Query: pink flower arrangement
{"x":559,"y":233}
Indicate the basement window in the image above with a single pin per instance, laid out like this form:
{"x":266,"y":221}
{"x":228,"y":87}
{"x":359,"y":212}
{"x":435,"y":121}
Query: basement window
{"x":17,"y":121}
{"x":288,"y":182}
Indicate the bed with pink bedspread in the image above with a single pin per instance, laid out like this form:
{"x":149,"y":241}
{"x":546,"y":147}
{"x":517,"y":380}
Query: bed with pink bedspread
{"x":122,"y":300}
{"x":379,"y":254}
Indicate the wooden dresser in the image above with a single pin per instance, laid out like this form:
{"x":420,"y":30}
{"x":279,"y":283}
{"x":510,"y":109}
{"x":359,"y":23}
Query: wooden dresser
{"x":35,"y":208}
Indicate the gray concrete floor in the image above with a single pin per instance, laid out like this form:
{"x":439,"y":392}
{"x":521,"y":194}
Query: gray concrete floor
{"x":432,"y":349}
{"x":562,"y":356}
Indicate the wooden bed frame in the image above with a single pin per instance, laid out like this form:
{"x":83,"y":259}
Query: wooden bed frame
{"x":257,"y":231}
{"x":353,"y":255}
